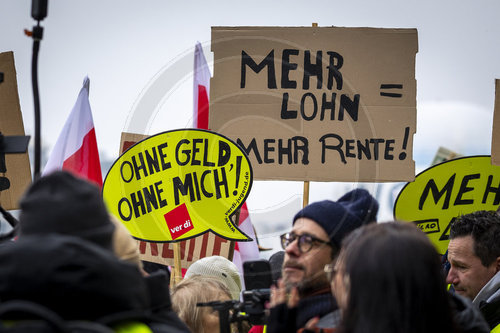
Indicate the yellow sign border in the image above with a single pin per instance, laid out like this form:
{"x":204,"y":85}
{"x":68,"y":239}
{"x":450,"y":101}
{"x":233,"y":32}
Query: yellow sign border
{"x":231,"y":217}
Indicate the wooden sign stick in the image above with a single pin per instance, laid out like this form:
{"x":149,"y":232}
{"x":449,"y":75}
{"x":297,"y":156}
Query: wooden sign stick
{"x":305,"y":198}
{"x":177,"y":262}
{"x":176,"y":272}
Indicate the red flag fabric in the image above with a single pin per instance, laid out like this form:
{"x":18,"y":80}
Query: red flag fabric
{"x":76,"y":148}
{"x":201,"y":89}
{"x":243,"y":251}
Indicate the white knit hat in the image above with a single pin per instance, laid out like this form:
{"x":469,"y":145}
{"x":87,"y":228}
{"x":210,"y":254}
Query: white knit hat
{"x":221,"y":268}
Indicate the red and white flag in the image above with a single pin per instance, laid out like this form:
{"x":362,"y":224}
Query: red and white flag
{"x":76,"y":148}
{"x":243,"y":251}
{"x":201,"y":89}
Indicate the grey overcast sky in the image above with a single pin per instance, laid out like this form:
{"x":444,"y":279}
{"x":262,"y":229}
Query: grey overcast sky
{"x":122,"y":45}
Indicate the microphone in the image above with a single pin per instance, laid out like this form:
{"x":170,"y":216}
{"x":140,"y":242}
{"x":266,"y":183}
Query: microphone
{"x":39,"y":9}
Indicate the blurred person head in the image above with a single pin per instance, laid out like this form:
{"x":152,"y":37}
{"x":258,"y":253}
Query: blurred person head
{"x":388,"y":278}
{"x":220,"y":268}
{"x":65,"y":204}
{"x":61,"y":203}
{"x":276,"y":263}
{"x":199,"y":289}
{"x":316,"y":235}
{"x":473,"y":252}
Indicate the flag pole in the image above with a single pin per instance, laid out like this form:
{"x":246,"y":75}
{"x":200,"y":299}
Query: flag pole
{"x":231,"y":247}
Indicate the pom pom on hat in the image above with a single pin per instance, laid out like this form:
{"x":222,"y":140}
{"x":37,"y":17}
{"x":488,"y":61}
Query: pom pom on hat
{"x":220,"y":268}
{"x":339,"y":218}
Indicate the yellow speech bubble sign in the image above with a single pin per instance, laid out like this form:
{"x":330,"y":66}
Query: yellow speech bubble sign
{"x":447,"y":190}
{"x":179,"y":184}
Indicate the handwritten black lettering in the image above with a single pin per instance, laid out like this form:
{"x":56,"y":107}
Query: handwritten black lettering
{"x":288,"y":66}
{"x":246,"y":60}
{"x":491,"y":189}
{"x":436,"y":193}
{"x":295,"y":147}
{"x":459,"y":200}
{"x":351,"y":148}
{"x":309,"y":107}
{"x":194,"y":186}
{"x":145,"y":163}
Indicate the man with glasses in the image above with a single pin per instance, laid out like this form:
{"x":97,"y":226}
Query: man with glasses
{"x":313,"y":242}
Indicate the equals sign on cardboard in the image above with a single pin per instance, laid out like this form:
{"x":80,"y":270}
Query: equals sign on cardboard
{"x":391,"y":86}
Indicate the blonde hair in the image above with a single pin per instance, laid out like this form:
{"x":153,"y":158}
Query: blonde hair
{"x":196,"y":289}
{"x":124,"y":246}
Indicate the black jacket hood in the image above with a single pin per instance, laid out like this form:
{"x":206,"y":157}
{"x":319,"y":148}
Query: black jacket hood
{"x":73,"y":277}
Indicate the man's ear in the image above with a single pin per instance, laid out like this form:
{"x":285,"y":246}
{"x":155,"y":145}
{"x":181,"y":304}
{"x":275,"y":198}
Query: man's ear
{"x":497,"y":264}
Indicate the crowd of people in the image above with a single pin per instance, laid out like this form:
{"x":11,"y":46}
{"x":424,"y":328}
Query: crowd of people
{"x":74,"y":268}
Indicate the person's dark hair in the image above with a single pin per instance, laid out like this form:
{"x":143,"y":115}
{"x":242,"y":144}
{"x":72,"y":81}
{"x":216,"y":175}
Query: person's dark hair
{"x":395,"y":282}
{"x":334,"y":253}
{"x":276,"y":263}
{"x":484,"y":227}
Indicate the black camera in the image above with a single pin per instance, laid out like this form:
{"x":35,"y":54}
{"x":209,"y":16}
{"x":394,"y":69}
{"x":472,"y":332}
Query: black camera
{"x":254,"y":305}
{"x":252,"y":308}
{"x":258,"y":280}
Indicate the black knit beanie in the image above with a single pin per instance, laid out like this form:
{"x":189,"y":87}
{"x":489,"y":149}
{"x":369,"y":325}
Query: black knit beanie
{"x":339,"y":218}
{"x":62,"y":203}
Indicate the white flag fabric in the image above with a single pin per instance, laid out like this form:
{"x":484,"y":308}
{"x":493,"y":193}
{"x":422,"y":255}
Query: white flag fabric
{"x":243,"y":251}
{"x":76,"y":148}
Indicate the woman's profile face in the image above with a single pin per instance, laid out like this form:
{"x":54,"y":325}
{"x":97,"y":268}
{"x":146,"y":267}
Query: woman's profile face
{"x":210,"y":317}
{"x":340,"y":284}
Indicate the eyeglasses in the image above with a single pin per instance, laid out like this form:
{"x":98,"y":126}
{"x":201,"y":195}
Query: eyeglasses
{"x":305,"y":241}
{"x":330,"y":271}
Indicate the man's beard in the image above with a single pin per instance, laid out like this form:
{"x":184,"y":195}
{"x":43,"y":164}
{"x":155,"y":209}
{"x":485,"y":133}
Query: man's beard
{"x":308,"y":284}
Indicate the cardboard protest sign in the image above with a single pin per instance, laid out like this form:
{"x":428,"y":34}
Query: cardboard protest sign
{"x":319,"y":104}
{"x":442,"y":192}
{"x":15,"y":174}
{"x":495,"y":138}
{"x":127,"y":140}
{"x":444,"y":154}
{"x":191,"y":250}
{"x":179,"y":184}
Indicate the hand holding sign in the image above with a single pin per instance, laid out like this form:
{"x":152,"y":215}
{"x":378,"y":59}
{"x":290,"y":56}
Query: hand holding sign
{"x":179,"y":184}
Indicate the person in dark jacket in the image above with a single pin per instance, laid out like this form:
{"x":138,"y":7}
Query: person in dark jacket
{"x":467,"y":316}
{"x":474,"y":256}
{"x":78,"y":281}
{"x":75,"y":259}
{"x":314,"y":241}
{"x":388,"y":278}
{"x":70,"y":276}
